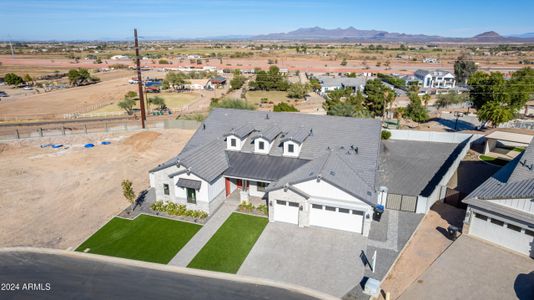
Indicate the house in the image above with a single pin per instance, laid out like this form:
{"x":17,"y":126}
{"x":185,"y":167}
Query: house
{"x":329,"y":83}
{"x":501,"y":210}
{"x":216,"y":81}
{"x":309,"y":170}
{"x":436,"y":79}
{"x":196,"y":84}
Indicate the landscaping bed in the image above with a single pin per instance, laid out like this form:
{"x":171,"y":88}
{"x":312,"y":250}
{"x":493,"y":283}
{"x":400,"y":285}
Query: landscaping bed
{"x":493,"y":160}
{"x":230,"y":245}
{"x":145,"y":238}
{"x":248,"y":208}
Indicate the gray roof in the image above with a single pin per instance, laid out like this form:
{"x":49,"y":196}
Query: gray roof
{"x":206,"y":157}
{"x":189,"y":183}
{"x":513,"y":181}
{"x":298,"y":135}
{"x":414,"y":168}
{"x":422,"y":73}
{"x":269,"y":134}
{"x":334,"y":167}
{"x":260,"y":167}
{"x":241,"y":131}
{"x":329,"y":81}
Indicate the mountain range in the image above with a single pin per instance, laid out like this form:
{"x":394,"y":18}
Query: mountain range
{"x":358,"y":35}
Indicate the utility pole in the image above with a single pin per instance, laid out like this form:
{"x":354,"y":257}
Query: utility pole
{"x":139,"y":81}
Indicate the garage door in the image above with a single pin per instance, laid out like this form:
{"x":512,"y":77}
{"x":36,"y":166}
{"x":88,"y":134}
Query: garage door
{"x":336,"y":218}
{"x":501,"y":233}
{"x":286,"y":211}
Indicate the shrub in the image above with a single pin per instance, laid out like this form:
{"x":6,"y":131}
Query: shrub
{"x":282,"y":106}
{"x":248,"y":207}
{"x":232,"y":103}
{"x":177,"y":210}
{"x":385,"y":135}
{"x":263,"y":209}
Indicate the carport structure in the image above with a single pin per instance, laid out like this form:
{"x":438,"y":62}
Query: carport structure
{"x":506,"y":140}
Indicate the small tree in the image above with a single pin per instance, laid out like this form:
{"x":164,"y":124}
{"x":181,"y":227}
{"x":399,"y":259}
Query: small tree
{"x":13,"y":79}
{"x":158,"y":102}
{"x":426,"y":98}
{"x":127,"y":104}
{"x":385,"y":135}
{"x":415,"y":110}
{"x":232,"y":103}
{"x":298,"y":90}
{"x":127,"y":190}
{"x":130,"y":95}
{"x":344,"y":62}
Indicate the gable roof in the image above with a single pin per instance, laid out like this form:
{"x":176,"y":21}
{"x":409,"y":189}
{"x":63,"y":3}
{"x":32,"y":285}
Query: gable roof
{"x":334,"y":168}
{"x":207,"y":161}
{"x":241,"y":131}
{"x":268,"y":134}
{"x":298,"y":135}
{"x":260,"y":167}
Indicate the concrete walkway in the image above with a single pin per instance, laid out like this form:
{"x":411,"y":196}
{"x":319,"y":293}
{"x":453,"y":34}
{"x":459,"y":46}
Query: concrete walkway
{"x":392,"y":234}
{"x":188,"y":252}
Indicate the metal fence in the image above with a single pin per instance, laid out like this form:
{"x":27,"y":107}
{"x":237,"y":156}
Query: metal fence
{"x":401,"y":202}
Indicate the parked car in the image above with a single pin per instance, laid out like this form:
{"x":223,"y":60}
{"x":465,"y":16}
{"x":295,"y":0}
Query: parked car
{"x":3,"y":94}
{"x":27,"y":88}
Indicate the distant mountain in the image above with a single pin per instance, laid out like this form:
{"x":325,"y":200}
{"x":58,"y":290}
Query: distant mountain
{"x":528,"y":35}
{"x":358,"y":35}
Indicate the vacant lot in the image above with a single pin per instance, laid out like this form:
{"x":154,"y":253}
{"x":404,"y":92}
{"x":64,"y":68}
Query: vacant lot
{"x":56,"y":198}
{"x":274,"y":96}
{"x":172,"y":100}
{"x":228,"y":248}
{"x":145,"y":238}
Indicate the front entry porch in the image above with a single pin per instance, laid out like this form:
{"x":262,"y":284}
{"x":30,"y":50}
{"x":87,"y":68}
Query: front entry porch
{"x":246,"y":190}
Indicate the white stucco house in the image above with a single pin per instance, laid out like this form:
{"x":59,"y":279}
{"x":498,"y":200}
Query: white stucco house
{"x":309,"y":170}
{"x":501,"y":210}
{"x":439,"y":79}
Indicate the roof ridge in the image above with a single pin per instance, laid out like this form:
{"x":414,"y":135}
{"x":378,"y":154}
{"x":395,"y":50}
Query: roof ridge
{"x":354,"y":171}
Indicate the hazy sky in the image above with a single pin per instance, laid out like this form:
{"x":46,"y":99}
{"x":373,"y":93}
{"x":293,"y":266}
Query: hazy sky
{"x":95,"y":19}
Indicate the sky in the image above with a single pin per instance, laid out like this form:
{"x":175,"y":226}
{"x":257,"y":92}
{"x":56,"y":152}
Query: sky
{"x":114,"y":19}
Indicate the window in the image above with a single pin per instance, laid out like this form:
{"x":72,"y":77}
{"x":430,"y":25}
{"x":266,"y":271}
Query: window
{"x":165,"y":189}
{"x":357,"y":212}
{"x":514,"y":228}
{"x":233,"y":142}
{"x":497,"y":222}
{"x":294,"y":204}
{"x":317,"y":206}
{"x":280,"y":202}
{"x":344,"y":210}
{"x":261,"y":145}
{"x":290,"y":148}
{"x":529,"y":232}
{"x":481,"y":217}
{"x":330,"y":208}
{"x":191,"y":196}
{"x":261,"y":186}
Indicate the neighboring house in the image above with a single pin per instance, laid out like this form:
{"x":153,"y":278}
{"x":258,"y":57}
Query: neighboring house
{"x":410,"y":80}
{"x":216,"y":82}
{"x":329,"y":83}
{"x":120,"y":57}
{"x":197,"y":84}
{"x":501,"y":210}
{"x":439,"y":79}
{"x":310,"y":170}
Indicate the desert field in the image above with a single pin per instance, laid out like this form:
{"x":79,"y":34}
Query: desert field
{"x":56,"y":198}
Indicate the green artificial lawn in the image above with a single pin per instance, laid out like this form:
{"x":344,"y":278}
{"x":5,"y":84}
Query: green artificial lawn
{"x":518,"y":149}
{"x":494,"y":160}
{"x":230,"y":245}
{"x":145,"y":238}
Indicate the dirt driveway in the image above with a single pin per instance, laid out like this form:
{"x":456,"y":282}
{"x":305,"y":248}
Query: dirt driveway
{"x":57,"y":198}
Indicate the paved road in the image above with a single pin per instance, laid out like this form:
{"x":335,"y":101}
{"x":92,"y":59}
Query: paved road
{"x":83,"y":276}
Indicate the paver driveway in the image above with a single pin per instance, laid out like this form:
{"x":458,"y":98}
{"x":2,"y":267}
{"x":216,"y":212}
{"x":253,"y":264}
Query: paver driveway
{"x":322,"y":259}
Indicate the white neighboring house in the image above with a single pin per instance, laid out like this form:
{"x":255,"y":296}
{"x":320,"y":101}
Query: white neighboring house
{"x":501,"y":210}
{"x":120,"y":57}
{"x":197,"y":84}
{"x":308,"y":170}
{"x":330,"y":83}
{"x":439,"y":79}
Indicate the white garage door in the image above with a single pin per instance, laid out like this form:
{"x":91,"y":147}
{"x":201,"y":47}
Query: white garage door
{"x":336,"y":218}
{"x":286,"y":211}
{"x":501,"y":233}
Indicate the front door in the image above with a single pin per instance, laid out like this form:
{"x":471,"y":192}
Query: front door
{"x":239,"y":184}
{"x":228,"y":186}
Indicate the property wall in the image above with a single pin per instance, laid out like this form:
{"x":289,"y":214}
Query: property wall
{"x":430,"y":136}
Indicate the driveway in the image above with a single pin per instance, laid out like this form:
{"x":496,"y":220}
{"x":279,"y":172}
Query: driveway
{"x":474,"y":269}
{"x":322,"y":259}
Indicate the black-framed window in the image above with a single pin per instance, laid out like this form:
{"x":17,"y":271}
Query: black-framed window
{"x":280,"y":202}
{"x":261,"y":186}
{"x":497,"y":222}
{"x":344,"y":210}
{"x":165,"y":189}
{"x":261,"y":145}
{"x":233,"y":142}
{"x":514,"y":228}
{"x":293,"y":204}
{"x":290,"y":148}
{"x":191,"y":196}
{"x":529,"y":232}
{"x":357,"y":212}
{"x":481,"y":217}
{"x":330,"y":208}
{"x":317,"y":206}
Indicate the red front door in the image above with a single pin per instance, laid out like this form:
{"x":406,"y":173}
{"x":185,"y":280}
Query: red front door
{"x":239,"y":184}
{"x":228,"y":187}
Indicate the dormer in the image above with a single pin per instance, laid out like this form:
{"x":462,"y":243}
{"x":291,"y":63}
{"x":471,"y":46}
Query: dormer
{"x":293,"y":141}
{"x":235,"y":139}
{"x":264,"y":139}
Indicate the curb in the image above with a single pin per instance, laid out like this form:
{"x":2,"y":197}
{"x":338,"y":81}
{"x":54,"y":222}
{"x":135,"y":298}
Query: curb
{"x":173,"y":269}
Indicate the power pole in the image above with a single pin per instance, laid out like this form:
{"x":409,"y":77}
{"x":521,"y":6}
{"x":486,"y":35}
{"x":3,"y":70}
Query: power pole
{"x":139,"y":81}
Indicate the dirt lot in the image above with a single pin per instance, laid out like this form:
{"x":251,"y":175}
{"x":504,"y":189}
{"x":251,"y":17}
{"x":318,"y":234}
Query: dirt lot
{"x":57,"y":198}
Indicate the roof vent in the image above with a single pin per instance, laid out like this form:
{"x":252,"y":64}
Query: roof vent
{"x":203,"y":126}
{"x":342,"y":148}
{"x":332,"y":173}
{"x":356,"y":150}
{"x":319,"y":178}
{"x":267,"y":117}
{"x":311,"y":131}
